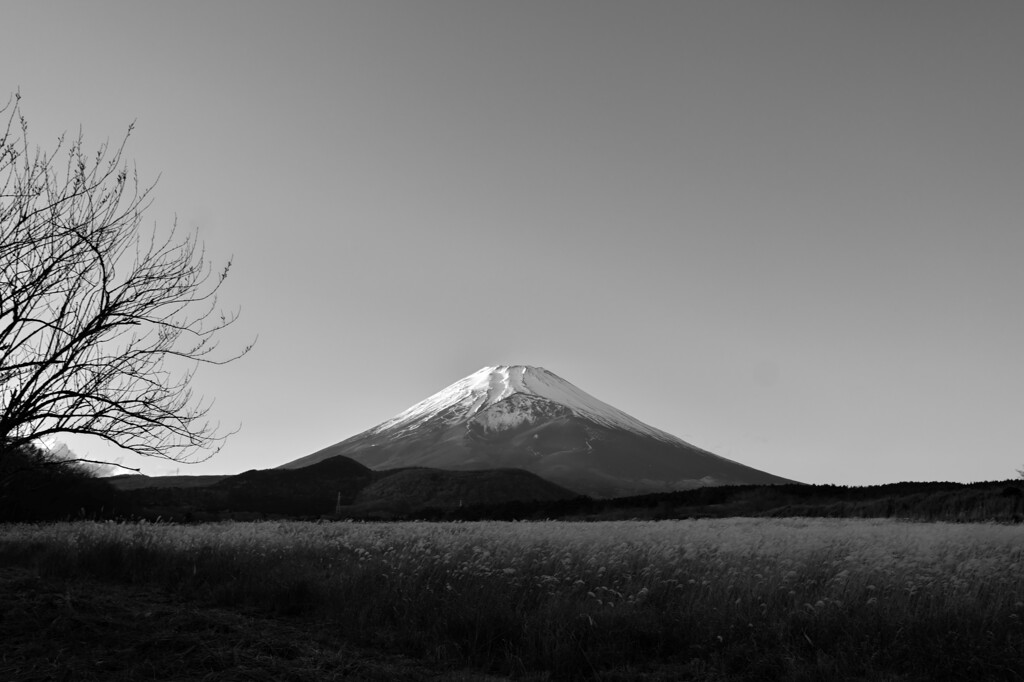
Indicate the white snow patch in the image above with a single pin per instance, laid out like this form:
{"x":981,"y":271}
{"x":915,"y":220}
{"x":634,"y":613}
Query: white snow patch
{"x":489,"y":385}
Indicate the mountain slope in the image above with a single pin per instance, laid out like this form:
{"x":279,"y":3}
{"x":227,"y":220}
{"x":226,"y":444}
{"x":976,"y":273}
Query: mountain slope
{"x":529,"y":418}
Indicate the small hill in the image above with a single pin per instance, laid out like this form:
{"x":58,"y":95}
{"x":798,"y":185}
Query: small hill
{"x":319,"y":489}
{"x":139,"y":481}
{"x":314,"y":490}
{"x":440,"y":489}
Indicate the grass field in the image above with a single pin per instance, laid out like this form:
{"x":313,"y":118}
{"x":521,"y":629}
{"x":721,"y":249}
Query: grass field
{"x":724,"y":599}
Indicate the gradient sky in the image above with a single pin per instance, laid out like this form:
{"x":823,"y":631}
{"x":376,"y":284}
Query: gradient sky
{"x":787,"y":232}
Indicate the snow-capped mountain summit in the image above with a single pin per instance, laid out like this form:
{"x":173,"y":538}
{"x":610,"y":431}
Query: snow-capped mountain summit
{"x":478,"y":395}
{"x":526,"y":417}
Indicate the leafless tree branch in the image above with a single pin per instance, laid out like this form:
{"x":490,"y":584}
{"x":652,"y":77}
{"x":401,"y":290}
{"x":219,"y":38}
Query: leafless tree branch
{"x":102,"y":323}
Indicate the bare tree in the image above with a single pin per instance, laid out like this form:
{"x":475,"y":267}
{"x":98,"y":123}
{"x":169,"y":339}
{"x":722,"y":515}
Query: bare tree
{"x":102,"y":323}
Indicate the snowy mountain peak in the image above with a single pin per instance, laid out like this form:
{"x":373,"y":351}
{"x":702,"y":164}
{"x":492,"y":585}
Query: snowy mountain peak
{"x":488,"y":386}
{"x":523,"y":417}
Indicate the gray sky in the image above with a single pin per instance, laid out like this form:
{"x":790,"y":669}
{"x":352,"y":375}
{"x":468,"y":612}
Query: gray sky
{"x":787,"y":232}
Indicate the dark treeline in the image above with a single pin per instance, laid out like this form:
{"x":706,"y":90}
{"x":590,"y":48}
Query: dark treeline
{"x":1001,"y":501}
{"x":35,"y":486}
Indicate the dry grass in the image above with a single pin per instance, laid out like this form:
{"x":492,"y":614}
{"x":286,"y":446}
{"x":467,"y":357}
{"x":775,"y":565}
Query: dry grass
{"x":731,"y":599}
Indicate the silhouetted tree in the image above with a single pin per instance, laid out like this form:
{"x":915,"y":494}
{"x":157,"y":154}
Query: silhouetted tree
{"x":102,"y":323}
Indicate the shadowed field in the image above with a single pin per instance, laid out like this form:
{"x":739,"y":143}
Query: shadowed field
{"x":85,"y":629}
{"x":722,"y":599}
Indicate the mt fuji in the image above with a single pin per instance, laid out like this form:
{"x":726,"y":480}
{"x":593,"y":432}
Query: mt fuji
{"x":517,"y":416}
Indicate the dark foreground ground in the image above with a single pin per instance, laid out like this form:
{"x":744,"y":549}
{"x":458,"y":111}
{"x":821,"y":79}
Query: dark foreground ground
{"x":713,"y":600}
{"x":86,"y":630}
